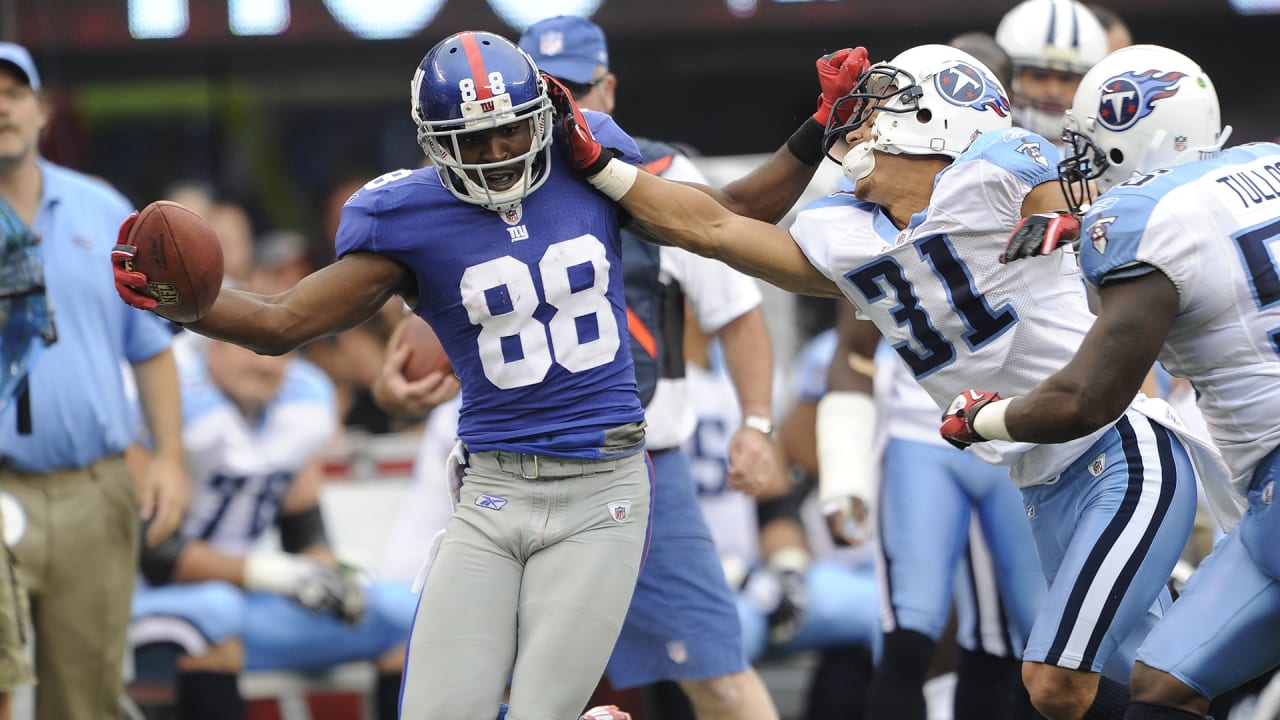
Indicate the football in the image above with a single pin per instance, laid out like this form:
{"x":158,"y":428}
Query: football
{"x":426,"y":354}
{"x":180,"y":255}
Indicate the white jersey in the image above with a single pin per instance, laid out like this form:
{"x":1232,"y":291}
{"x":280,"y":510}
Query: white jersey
{"x":906,"y":410}
{"x":718,"y":294}
{"x":956,"y":316}
{"x":241,"y":470}
{"x":1213,"y":227}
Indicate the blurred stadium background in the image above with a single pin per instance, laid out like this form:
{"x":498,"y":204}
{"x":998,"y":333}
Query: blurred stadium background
{"x":274,"y":102}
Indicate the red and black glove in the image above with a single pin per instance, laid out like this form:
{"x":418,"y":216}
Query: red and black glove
{"x":128,"y":281}
{"x":1041,"y":234}
{"x":585,"y":154}
{"x":957,"y":423}
{"x":838,"y":73}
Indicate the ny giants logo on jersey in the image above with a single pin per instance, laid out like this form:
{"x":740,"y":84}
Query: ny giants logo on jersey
{"x":966,"y":86}
{"x":1129,"y":97}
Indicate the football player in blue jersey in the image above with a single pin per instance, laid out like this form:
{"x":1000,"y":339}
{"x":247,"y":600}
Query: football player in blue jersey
{"x":941,"y":178}
{"x":515,"y":262}
{"x":1181,"y":250}
{"x":253,"y":429}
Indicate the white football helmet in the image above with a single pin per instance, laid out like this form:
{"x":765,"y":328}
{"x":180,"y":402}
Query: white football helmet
{"x":1059,"y":35}
{"x":1143,"y":108}
{"x":929,"y":100}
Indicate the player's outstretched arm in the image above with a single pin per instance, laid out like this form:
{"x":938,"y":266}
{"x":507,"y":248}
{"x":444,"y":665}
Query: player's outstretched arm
{"x":768,"y":191}
{"x":335,"y":298}
{"x":1100,"y":381}
{"x":681,"y":214}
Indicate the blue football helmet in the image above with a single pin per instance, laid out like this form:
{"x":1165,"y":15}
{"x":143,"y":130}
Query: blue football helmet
{"x":475,"y":81}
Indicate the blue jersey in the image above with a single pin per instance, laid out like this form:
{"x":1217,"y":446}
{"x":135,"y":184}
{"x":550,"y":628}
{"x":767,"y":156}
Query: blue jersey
{"x":528,"y":304}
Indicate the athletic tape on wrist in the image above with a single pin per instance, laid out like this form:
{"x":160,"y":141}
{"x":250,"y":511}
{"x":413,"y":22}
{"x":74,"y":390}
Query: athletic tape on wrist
{"x":615,"y":180}
{"x":989,"y":422}
{"x":846,"y":433}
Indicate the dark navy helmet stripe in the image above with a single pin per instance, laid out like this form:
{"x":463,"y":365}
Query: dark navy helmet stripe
{"x":1075,"y":25}
{"x":1053,"y":24}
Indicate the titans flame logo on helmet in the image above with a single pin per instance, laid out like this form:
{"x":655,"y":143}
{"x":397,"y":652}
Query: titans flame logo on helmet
{"x":1129,"y":97}
{"x":964,"y":85}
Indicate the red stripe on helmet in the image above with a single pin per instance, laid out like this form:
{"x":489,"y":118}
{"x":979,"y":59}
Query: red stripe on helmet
{"x":472,"y":48}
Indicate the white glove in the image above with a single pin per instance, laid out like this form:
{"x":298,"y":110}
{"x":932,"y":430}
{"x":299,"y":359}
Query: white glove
{"x":314,"y":586}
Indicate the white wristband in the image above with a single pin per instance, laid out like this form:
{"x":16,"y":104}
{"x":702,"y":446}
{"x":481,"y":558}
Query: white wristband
{"x":989,"y":422}
{"x":273,"y":572}
{"x":615,"y":180}
{"x":846,"y":432}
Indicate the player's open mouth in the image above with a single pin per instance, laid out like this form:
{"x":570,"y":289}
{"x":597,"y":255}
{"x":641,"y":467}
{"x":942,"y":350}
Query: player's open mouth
{"x":501,"y":179}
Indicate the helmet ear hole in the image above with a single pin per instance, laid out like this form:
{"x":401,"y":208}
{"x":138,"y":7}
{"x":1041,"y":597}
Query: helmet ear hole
{"x":924,"y":116}
{"x":1116,"y":156}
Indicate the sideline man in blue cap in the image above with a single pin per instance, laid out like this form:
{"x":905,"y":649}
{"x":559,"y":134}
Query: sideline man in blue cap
{"x":71,"y":505}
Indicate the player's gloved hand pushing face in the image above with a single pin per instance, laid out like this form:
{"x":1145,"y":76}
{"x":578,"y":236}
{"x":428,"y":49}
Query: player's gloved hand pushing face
{"x":585,"y":154}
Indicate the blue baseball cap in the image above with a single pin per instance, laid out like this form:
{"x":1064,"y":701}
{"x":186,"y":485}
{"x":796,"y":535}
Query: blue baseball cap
{"x":566,"y":46}
{"x":18,"y":56}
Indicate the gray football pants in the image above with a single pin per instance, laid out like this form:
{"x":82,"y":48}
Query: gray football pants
{"x":531,"y":585}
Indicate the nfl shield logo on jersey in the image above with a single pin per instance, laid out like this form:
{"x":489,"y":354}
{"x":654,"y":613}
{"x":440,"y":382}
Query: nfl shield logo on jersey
{"x":620,"y":510}
{"x":1098,"y":465}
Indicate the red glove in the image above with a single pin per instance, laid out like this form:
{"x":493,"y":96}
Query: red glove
{"x":838,"y":73}
{"x":128,"y":281}
{"x":584,"y":153}
{"x":957,"y":423}
{"x":1040,"y":234}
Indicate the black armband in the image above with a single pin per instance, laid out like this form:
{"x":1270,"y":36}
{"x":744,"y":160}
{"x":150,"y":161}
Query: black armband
{"x":301,"y":530}
{"x":158,"y":563}
{"x":806,"y":142}
{"x":783,"y":507}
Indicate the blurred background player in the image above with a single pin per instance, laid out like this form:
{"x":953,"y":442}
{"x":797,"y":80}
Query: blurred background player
{"x":1118,"y":33}
{"x":799,"y":593}
{"x":682,"y":624}
{"x":73,"y":517}
{"x":255,"y":426}
{"x":1052,"y":44}
{"x":970,"y":541}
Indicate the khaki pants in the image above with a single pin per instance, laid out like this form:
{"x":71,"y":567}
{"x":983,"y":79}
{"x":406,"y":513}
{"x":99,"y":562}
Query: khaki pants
{"x":15,"y":625}
{"x":77,"y":560}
